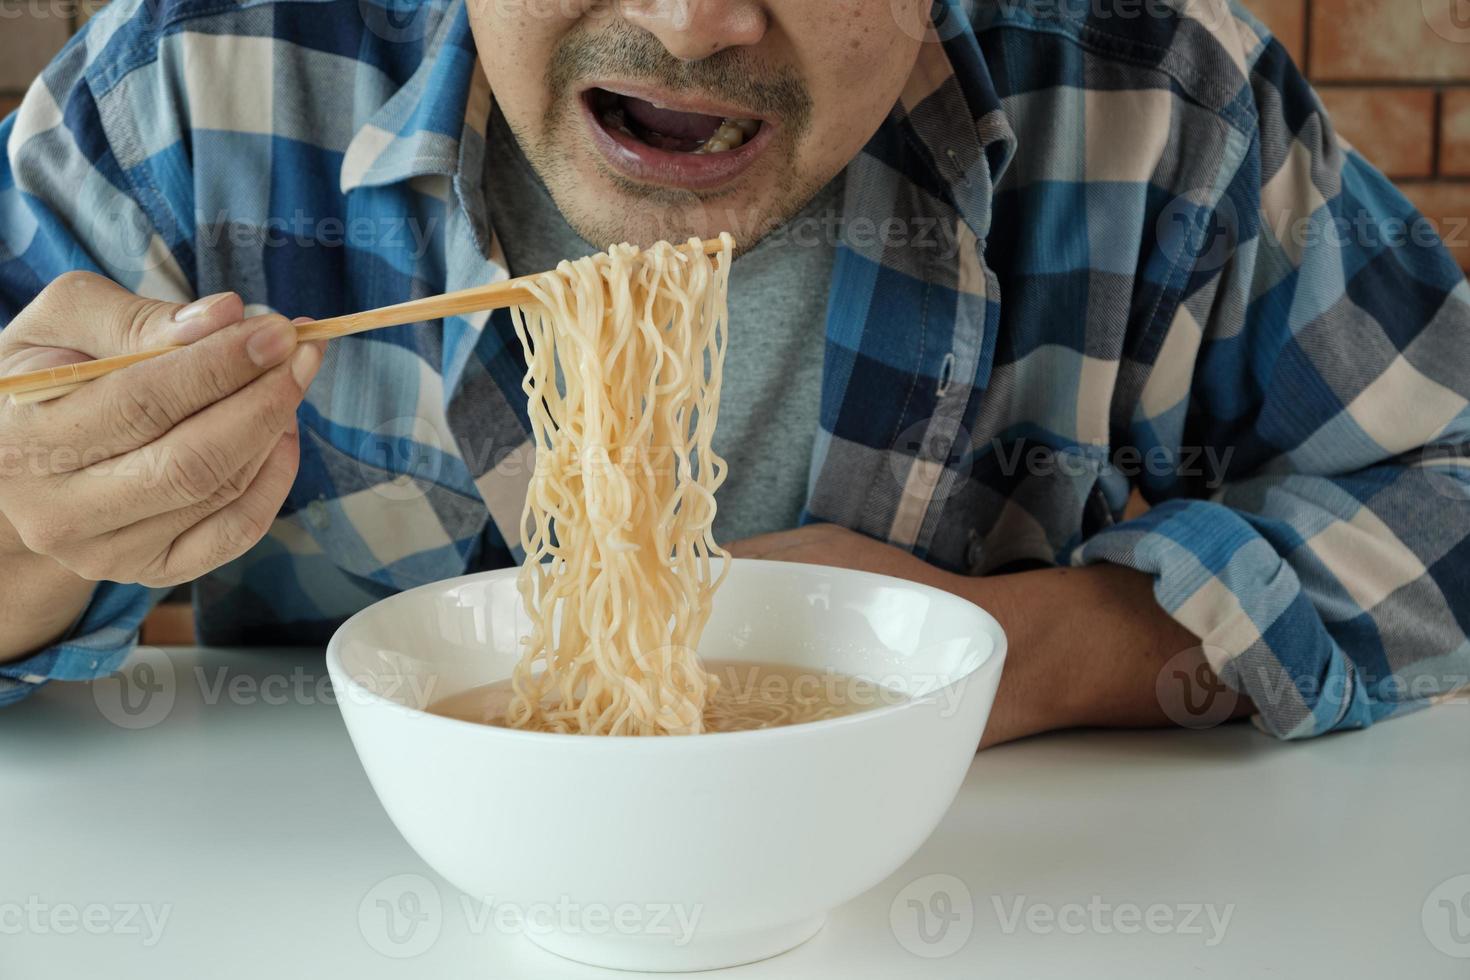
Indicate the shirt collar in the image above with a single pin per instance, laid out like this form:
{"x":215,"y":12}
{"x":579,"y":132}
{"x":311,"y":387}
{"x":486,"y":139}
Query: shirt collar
{"x":950,"y":110}
{"x":422,"y":129}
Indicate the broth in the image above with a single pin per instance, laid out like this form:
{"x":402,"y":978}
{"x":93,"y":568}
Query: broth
{"x":751,"y":696}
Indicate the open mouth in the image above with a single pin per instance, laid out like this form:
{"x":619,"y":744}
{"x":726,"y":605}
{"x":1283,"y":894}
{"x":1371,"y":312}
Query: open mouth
{"x":667,"y":139}
{"x":667,"y":128}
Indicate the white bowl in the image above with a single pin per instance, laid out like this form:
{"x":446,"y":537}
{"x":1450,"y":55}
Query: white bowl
{"x":674,"y":853}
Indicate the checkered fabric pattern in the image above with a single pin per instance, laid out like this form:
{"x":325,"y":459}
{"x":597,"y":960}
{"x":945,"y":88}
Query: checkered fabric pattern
{"x":1086,"y":252}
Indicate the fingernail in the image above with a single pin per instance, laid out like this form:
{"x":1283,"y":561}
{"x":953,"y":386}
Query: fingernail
{"x":271,"y":342}
{"x":193,"y":321}
{"x":199,"y":307}
{"x":305,"y":363}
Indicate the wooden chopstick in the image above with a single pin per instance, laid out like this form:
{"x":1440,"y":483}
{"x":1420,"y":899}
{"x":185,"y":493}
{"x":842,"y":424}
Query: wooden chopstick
{"x":49,"y":383}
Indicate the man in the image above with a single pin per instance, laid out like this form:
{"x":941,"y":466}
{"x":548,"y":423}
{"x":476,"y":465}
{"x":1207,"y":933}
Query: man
{"x":1059,"y":255}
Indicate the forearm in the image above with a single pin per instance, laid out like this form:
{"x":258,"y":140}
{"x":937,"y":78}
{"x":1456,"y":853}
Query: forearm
{"x":1086,"y":647}
{"x":38,"y":601}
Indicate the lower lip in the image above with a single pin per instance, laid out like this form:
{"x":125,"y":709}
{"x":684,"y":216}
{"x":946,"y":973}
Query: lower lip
{"x":689,"y":171}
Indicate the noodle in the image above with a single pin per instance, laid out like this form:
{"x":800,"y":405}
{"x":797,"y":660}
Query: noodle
{"x":750,"y":696}
{"x":624,"y":355}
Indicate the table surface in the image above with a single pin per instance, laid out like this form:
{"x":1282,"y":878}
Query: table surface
{"x":209,"y":818}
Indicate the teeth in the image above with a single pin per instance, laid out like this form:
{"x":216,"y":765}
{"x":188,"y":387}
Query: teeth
{"x":732,"y":133}
{"x":614,"y":117}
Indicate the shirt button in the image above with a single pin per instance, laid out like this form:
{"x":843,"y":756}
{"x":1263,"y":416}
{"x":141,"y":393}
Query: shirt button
{"x":316,"y":514}
{"x":975,"y":552}
{"x":938,"y":448}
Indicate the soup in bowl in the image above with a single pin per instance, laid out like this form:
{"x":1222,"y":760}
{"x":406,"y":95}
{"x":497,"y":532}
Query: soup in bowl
{"x":680,"y":852}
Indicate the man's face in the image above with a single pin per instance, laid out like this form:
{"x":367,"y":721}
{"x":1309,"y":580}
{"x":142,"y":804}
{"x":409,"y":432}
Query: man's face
{"x":671,"y":119}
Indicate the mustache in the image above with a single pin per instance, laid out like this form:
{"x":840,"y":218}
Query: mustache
{"x":732,"y":74}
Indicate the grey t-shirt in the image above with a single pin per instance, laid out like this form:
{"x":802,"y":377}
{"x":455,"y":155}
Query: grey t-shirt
{"x":770,"y":400}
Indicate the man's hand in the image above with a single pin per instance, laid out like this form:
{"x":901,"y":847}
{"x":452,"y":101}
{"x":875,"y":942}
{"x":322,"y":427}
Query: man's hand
{"x":155,"y":474}
{"x":1086,"y":645}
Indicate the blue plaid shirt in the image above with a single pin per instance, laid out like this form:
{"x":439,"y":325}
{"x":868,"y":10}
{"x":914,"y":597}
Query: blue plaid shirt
{"x":1086,"y":252}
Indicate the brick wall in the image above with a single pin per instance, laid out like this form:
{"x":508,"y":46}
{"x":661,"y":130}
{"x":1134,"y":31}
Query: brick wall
{"x":1395,"y":75}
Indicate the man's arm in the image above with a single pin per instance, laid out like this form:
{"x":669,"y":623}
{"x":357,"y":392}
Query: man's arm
{"x":154,"y":475}
{"x":1317,"y":348}
{"x":40,"y":600}
{"x":1086,"y":645}
{"x":1320,"y":352}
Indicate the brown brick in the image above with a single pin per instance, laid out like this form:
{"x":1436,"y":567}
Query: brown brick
{"x":1287,"y":19}
{"x":170,"y":624}
{"x":1448,"y":206}
{"x":1389,"y":39}
{"x":29,"y":35}
{"x":1392,"y":127}
{"x":1454,"y":150}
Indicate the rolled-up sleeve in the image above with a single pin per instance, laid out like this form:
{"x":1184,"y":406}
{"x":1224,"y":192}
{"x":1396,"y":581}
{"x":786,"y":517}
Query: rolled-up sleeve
{"x":1325,"y":565}
{"x":95,"y":646}
{"x":68,"y":203}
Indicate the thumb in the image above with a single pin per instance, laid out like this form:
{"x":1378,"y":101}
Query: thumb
{"x":95,"y":317}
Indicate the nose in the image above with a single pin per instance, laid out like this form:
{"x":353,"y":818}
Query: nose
{"x":695,"y":29}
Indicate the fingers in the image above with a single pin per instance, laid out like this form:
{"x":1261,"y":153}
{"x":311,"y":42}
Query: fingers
{"x":94,"y":315}
{"x":129,"y":551}
{"x":194,"y":462}
{"x":143,"y":546}
{"x":39,"y":359}
{"x":136,"y":406}
{"x":234,"y":530}
{"x":164,"y":470}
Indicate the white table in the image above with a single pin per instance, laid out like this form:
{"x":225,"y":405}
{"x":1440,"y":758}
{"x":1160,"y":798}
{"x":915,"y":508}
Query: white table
{"x":241,"y":814}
